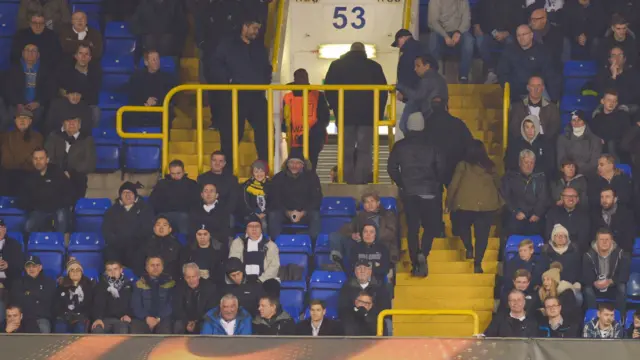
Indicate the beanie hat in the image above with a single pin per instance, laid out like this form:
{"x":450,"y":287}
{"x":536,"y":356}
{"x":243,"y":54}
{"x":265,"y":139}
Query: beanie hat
{"x":252,"y":218}
{"x":296,"y":155}
{"x":233,"y":264}
{"x":260,"y":164}
{"x":128,"y":185}
{"x":72,"y":264}
{"x":553,"y":274}
{"x":557,"y":230}
{"x":415,"y":122}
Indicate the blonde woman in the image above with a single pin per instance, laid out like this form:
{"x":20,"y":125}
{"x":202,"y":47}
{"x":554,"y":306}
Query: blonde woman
{"x":553,"y":286}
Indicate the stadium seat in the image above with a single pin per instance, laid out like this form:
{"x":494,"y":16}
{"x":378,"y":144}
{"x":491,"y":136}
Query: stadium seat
{"x":107,"y":119}
{"x":332,"y":224}
{"x":298,"y":243}
{"x":580,"y":69}
{"x":110,"y":100}
{"x":142,"y":154}
{"x":89,"y":213}
{"x":338,"y":206}
{"x":513,"y":242}
{"x":119,"y":47}
{"x":329,"y":296}
{"x":292,"y":301}
{"x":182,"y":238}
{"x":587,"y":104}
{"x":46,"y":241}
{"x":5,"y":48}
{"x":85,"y":242}
{"x":301,"y":260}
{"x":573,"y":86}
{"x":17,"y":236}
{"x":117,"y":63}
{"x":628,"y":322}
{"x":635,"y":264}
{"x":115,"y":82}
{"x":633,"y":288}
{"x":593,"y":313}
{"x":322,"y":244}
{"x":636,"y":247}
{"x":332,"y":313}
{"x":625,"y":168}
{"x":52,"y":262}
{"x":129,"y":275}
{"x":167,"y":64}
{"x":117,"y":30}
{"x":107,"y":150}
{"x":321,"y":279}
{"x":91,"y":8}
{"x":8,"y":18}
{"x":13,"y":216}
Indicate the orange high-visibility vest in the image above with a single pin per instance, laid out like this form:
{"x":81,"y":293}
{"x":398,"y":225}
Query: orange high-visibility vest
{"x":293,"y":112}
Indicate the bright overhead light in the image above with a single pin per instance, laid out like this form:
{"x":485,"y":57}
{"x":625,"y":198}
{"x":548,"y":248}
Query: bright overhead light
{"x":334,"y":51}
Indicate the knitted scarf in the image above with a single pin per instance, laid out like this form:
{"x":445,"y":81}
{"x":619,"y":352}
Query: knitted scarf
{"x":115,"y":285}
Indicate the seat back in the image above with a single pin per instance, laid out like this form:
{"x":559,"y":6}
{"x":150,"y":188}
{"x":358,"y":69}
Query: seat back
{"x":298,"y":243}
{"x":89,"y":259}
{"x":9,"y":206}
{"x":580,"y":69}
{"x":321,"y":279}
{"x":86,"y":241}
{"x":118,"y":63}
{"x":17,"y":236}
{"x":633,"y":286}
{"x":329,"y":296}
{"x":299,"y":259}
{"x":51,"y":262}
{"x":46,"y":241}
{"x":109,"y":100}
{"x":292,"y":301}
{"x":338,"y":206}
{"x":333,"y":224}
{"x":117,"y":30}
{"x":8,"y":19}
{"x":129,"y":275}
{"x":143,"y":154}
{"x":570,"y":103}
{"x":115,"y":82}
{"x":628,"y":322}
{"x":322,"y":244}
{"x":625,"y":168}
{"x":92,"y":206}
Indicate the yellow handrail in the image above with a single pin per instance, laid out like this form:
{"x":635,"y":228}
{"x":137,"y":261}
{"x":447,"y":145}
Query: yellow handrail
{"x":407,"y":14}
{"x":506,"y":103}
{"x":391,"y":312}
{"x":275,"y":56}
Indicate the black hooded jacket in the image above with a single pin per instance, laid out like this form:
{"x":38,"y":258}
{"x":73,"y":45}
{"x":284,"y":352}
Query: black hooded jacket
{"x":248,"y":293}
{"x":69,"y":306}
{"x":192,"y":304}
{"x":124,"y":228}
{"x":34,"y":296}
{"x":175,"y":195}
{"x":168,"y":247}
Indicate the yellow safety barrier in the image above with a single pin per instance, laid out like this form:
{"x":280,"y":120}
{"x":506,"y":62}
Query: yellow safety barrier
{"x":275,"y":56}
{"x":391,"y":312}
{"x":506,"y":104}
{"x":407,"y":14}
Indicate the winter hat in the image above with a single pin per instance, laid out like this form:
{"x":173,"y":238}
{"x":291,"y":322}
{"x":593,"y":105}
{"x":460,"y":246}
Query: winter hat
{"x":553,"y":273}
{"x":73,"y":264}
{"x":204,"y":227}
{"x":128,"y":185}
{"x":296,"y":155}
{"x":252,"y":218}
{"x":233,"y":264}
{"x":415,"y":122}
{"x":260,"y":164}
{"x":559,"y":229}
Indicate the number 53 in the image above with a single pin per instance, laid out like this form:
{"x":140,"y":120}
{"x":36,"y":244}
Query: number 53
{"x":340,"y":20}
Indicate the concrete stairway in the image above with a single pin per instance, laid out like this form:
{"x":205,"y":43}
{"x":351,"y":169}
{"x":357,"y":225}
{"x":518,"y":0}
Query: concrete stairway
{"x":329,"y":158}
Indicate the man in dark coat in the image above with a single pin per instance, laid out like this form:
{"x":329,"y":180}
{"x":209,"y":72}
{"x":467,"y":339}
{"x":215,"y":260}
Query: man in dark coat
{"x":225,"y":182}
{"x":11,"y":259}
{"x":354,"y":68}
{"x":616,"y":218}
{"x":363,"y":281}
{"x":243,"y":59}
{"x":160,"y":25}
{"x":126,"y":225}
{"x":520,"y":61}
{"x":37,"y":34}
{"x":175,"y":195}
{"x":513,"y":323}
{"x":548,"y":34}
{"x":112,"y":302}
{"x":619,"y":36}
{"x":272,"y":320}
{"x":571,"y":216}
{"x":360,"y":320}
{"x":586,"y":24}
{"x":162,"y":243}
{"x":16,"y":323}
{"x":620,"y":75}
{"x":611,"y":124}
{"x":318,"y":324}
{"x":193,"y":298}
{"x":410,"y":49}
{"x":295,"y":196}
{"x":152,"y":300}
{"x":34,"y":293}
{"x":211,"y":213}
{"x":72,"y":104}
{"x":248,"y":293}
{"x":535,"y":104}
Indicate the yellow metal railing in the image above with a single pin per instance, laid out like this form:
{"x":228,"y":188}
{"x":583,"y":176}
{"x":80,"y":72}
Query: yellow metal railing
{"x":277,"y":38}
{"x":506,"y":104}
{"x":385,"y":313}
{"x":407,"y":14}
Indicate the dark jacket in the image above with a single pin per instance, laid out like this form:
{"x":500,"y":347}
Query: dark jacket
{"x":622,"y":226}
{"x":212,"y":324}
{"x":376,"y":253}
{"x":127,"y":229}
{"x":354,"y":68}
{"x":105,"y":305}
{"x":192,"y":304}
{"x":611,"y":128}
{"x":248,"y":293}
{"x":568,"y":330}
{"x":542,"y":147}
{"x":155,"y":17}
{"x":119,"y":10}
{"x":47,"y":43}
{"x":143,"y":85}
{"x":500,"y":15}
{"x":215,"y":19}
{"x":142,"y":300}
{"x":450,"y":136}
{"x":584,"y":150}
{"x":70,"y":41}
{"x":328,"y":327}
{"x":34,"y":296}
{"x":226,"y":186}
{"x":629,"y":47}
{"x":236,"y":62}
{"x":217,"y":221}
{"x":578,"y":182}
{"x":552,"y":37}
{"x":168,"y":247}
{"x":12,"y":253}
{"x":516,"y":66}
{"x":631,"y":144}
{"x":301,"y":192}
{"x":60,"y":109}
{"x":618,"y":266}
{"x":81,"y":157}
{"x":536,"y":266}
{"x":417,"y":166}
{"x":359,"y":322}
{"x":15,"y":85}
{"x":549,"y":118}
{"x":590,"y":20}
{"x":473,"y":188}
{"x":280,"y":324}
{"x":47,"y":192}
{"x":70,"y":307}
{"x":407,"y":76}
{"x":349,"y":293}
{"x":387,"y":226}
{"x":571,"y":260}
{"x":577,"y":222}
{"x":17,"y":152}
{"x":175,"y":195}
{"x":210,"y":260}
{"x":27,"y":326}
{"x":527,"y":194}
{"x":620,"y":183}
{"x":531,"y":301}
{"x":503,"y":325}
{"x":430,"y":86}
{"x":625,"y":83}
{"x":89,"y":85}
{"x":254,"y":197}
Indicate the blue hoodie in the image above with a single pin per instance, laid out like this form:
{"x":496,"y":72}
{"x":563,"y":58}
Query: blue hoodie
{"x":212,"y":324}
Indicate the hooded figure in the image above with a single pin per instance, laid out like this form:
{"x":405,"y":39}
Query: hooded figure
{"x":248,"y":293}
{"x":371,"y":250}
{"x":530,"y":138}
{"x":579,"y":143}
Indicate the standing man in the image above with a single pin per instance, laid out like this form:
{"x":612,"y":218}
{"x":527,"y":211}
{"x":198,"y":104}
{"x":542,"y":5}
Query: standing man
{"x":410,"y":49}
{"x":418,"y":169}
{"x":243,"y":60}
{"x":354,"y":68}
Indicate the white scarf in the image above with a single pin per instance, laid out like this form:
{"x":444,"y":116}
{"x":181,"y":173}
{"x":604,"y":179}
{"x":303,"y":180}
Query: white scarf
{"x":78,"y":292}
{"x":579,"y":131}
{"x":114,"y":286}
{"x":81,"y":34}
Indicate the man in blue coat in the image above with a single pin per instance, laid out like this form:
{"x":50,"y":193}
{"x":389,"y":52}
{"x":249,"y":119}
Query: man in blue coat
{"x":227,"y":319}
{"x":152,"y":300}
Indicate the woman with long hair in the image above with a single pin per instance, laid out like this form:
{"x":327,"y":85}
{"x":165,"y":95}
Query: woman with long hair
{"x":473,"y":198}
{"x":553,"y":286}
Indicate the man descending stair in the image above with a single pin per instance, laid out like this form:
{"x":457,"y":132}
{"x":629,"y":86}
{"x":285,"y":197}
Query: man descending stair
{"x":417,"y":167}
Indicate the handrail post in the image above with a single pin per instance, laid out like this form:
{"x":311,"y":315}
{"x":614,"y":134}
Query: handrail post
{"x":234,"y":130}
{"x":305,"y":123}
{"x":376,"y":137}
{"x":199,"y":131}
{"x":166,"y":110}
{"x":341,"y":136}
{"x":506,"y":103}
{"x":392,"y":118}
{"x":270,"y":130}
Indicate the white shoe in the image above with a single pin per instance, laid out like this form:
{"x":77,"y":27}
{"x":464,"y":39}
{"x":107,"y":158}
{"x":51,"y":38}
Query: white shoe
{"x":492,"y":78}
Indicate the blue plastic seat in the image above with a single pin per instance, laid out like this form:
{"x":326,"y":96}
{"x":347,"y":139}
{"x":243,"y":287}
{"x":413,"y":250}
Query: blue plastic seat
{"x":625,"y":168}
{"x":52,"y":262}
{"x":117,"y":64}
{"x":92,"y":9}
{"x":89,"y":214}
{"x":85,"y":242}
{"x":46,"y":241}
{"x":635,"y":264}
{"x":628,"y":322}
{"x":593,"y":313}
{"x":108,"y":158}
{"x":5,"y":48}
{"x":8,"y":18}
{"x":14,"y":217}
{"x":110,"y":100}
{"x":115,"y":82}
{"x":107,"y":119}
{"x":332,"y":313}
{"x":117,"y":30}
{"x":573,"y":86}
{"x":575,"y":69}
{"x":321,"y":259}
{"x":301,"y":260}
{"x":338,"y":206}
{"x":142,"y":154}
{"x":89,"y":259}
{"x":298,"y":243}
{"x":333,"y":224}
{"x":329,"y":296}
{"x":636,"y":247}
{"x":17,"y":236}
{"x":182,"y":238}
{"x":321,"y":279}
{"x":119,"y":47}
{"x":514,"y":241}
{"x":633,"y":288}
{"x":167,"y":64}
{"x":322,"y":244}
{"x":129,"y":275}
{"x":587,"y":104}
{"x":292,"y":300}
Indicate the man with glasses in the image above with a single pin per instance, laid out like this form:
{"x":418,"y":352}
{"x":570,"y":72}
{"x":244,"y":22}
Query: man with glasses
{"x":555,"y":325}
{"x":526,"y":58}
{"x":513,"y":323}
{"x":37,"y":34}
{"x":361,"y":321}
{"x":573,"y":217}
